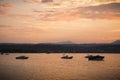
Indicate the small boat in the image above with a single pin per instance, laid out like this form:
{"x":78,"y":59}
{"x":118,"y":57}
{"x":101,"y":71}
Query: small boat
{"x":97,"y":57}
{"x":22,"y":57}
{"x":1,"y":53}
{"x":67,"y":57}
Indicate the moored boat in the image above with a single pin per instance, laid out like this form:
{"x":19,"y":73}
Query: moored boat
{"x":22,"y":57}
{"x":1,"y":53}
{"x":96,"y":57}
{"x":67,"y":57}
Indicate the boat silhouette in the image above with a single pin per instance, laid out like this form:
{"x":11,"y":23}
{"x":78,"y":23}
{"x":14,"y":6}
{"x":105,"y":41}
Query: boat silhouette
{"x":96,"y":57}
{"x":67,"y":57}
{"x":22,"y":57}
{"x":1,"y":53}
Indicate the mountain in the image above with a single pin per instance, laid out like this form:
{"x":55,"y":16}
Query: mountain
{"x":65,"y":42}
{"x":116,"y":42}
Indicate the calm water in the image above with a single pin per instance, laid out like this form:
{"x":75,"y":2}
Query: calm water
{"x":52,"y":67}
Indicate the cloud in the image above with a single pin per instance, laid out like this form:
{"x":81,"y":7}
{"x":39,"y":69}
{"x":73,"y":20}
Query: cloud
{"x":37,"y":1}
{"x":5,"y":7}
{"x":44,"y":1}
{"x":71,"y":3}
{"x":21,"y":16}
{"x":105,"y":0}
{"x":31,"y":1}
{"x":4,"y":26}
{"x":104,"y":11}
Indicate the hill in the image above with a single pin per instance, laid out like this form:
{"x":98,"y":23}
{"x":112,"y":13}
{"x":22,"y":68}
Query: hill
{"x":59,"y":48}
{"x":116,"y":42}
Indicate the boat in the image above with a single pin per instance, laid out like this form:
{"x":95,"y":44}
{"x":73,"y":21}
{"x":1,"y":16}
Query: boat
{"x":22,"y":57}
{"x":67,"y":57}
{"x":96,"y":57}
{"x":1,"y":53}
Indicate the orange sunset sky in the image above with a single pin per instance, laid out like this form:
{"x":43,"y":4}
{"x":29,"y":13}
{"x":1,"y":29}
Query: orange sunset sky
{"x":79,"y":21}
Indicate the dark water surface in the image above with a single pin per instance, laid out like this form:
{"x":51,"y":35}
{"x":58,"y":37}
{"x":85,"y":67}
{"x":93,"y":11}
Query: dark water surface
{"x":52,"y":67}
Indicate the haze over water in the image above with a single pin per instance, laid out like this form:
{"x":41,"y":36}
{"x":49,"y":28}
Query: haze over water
{"x":52,"y":67}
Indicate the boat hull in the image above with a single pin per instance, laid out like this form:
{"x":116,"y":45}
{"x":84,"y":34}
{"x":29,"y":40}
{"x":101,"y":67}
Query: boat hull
{"x":64,"y":57}
{"x":22,"y":57}
{"x":100,"y":58}
{"x":97,"y":57}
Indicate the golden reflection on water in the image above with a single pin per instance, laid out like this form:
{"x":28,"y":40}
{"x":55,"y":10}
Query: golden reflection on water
{"x":52,"y":67}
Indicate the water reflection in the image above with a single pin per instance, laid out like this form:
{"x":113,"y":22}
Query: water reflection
{"x":52,"y":67}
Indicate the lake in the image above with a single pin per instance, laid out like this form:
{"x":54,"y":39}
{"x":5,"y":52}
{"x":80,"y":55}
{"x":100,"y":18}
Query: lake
{"x":52,"y":67}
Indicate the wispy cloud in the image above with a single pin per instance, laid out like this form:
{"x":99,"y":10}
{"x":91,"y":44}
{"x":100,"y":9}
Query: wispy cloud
{"x":20,"y":29}
{"x":4,"y":26}
{"x":37,"y":1}
{"x":5,"y":7}
{"x":44,"y":1}
{"x":104,"y":11}
{"x":32,"y":1}
{"x":72,"y":3}
{"x":21,"y":16}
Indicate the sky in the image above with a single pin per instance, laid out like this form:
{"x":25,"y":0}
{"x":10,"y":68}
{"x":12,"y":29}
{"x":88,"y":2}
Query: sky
{"x":41,"y":21}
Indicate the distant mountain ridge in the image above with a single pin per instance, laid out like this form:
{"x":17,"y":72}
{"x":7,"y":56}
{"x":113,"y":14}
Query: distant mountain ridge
{"x":65,"y":42}
{"x":116,"y":42}
{"x":70,"y":42}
